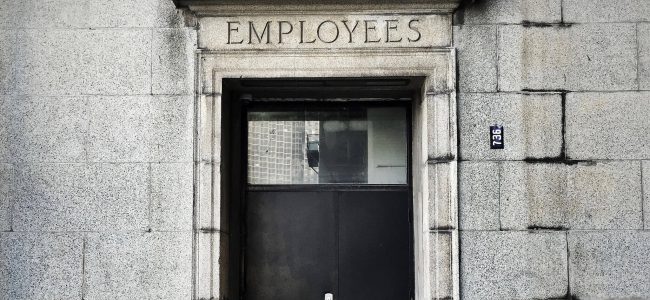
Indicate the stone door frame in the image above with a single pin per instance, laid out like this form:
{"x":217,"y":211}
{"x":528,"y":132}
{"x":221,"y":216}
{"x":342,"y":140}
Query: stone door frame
{"x":434,"y":150}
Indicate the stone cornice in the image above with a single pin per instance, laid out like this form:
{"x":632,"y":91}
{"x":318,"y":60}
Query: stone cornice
{"x":216,"y":7}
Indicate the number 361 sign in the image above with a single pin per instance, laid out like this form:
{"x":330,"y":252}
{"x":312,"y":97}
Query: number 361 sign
{"x":496,"y":137}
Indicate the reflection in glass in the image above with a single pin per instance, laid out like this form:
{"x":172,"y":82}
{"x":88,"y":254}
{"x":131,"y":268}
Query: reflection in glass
{"x":359,"y":145}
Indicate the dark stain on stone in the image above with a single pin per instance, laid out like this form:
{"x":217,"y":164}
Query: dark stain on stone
{"x":442,"y":228}
{"x":568,"y":296}
{"x":550,"y":228}
{"x":209,"y":230}
{"x":535,"y":24}
{"x":442,"y":159}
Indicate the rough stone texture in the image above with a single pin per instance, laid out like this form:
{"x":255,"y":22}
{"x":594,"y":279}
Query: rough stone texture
{"x":171,"y":196}
{"x":6,"y":175}
{"x":47,"y":128}
{"x":533,"y":195}
{"x":609,"y":264}
{"x":81,"y":136}
{"x":40,"y":265}
{"x":4,"y":129}
{"x":606,"y":195}
{"x":646,"y":193}
{"x":560,"y":196}
{"x":88,"y":14}
{"x":478,"y":201}
{"x":608,"y":125}
{"x":72,"y":62}
{"x":532,"y":125}
{"x":568,"y":58}
{"x":141,"y":129}
{"x":513,"y":265}
{"x":139,"y":265}
{"x":441,"y":265}
{"x":173,"y":61}
{"x":476,"y":48}
{"x":7,"y":52}
{"x":643,"y":34}
{"x":81,"y":197}
{"x":513,"y":11}
{"x":607,"y":11}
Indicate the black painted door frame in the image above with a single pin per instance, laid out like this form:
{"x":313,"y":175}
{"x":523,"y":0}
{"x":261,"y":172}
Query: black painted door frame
{"x":238,"y":189}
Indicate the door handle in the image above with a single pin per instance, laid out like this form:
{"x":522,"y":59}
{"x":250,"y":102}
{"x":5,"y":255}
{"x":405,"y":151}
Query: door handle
{"x":329,"y":296}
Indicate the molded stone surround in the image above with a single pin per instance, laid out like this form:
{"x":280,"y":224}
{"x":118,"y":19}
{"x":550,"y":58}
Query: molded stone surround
{"x":434,"y":116}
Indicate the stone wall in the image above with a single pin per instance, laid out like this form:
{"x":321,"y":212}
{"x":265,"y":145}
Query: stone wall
{"x":560,"y":211}
{"x":96,"y":149}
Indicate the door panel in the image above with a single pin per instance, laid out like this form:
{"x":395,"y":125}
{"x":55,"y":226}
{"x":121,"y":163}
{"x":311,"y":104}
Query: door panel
{"x":374,"y":238}
{"x":290,"y":245}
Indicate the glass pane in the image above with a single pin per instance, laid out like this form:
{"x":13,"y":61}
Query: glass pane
{"x":358,"y":145}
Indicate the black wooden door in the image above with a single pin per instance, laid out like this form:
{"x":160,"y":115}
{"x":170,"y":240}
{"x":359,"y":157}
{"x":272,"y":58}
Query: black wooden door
{"x":353,"y":243}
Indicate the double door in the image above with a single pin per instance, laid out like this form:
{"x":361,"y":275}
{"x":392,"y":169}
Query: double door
{"x":327,"y":203}
{"x":353,"y":244}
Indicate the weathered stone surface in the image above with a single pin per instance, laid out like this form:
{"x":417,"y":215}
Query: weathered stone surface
{"x":81,"y":197}
{"x":441,"y":265}
{"x":534,"y":196}
{"x":69,"y":62}
{"x":645,"y":172}
{"x":141,"y":129}
{"x":513,"y":11}
{"x":476,"y":48}
{"x":40,"y":265}
{"x":608,"y":125}
{"x":559,"y":196}
{"x":88,"y":14}
{"x":47,"y":128}
{"x":5,"y":115}
{"x":532,"y":125}
{"x":139,"y":265}
{"x":173,"y":61}
{"x":7,"y":60}
{"x":609,"y":264}
{"x":568,"y":58}
{"x":6,"y":175}
{"x":513,"y":265}
{"x":643,"y":34}
{"x":171,"y":196}
{"x":589,"y":11}
{"x":478,"y":201}
{"x":606,"y":195}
